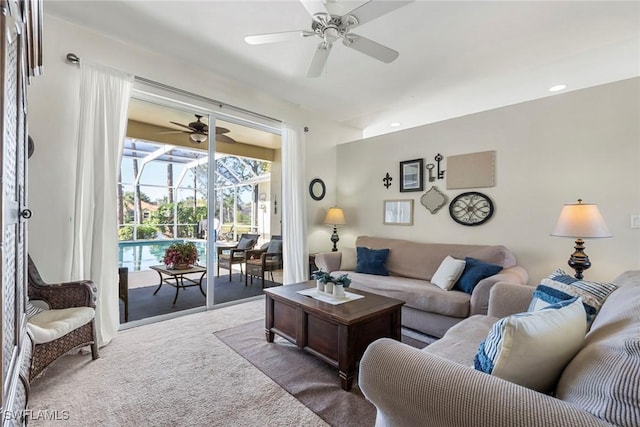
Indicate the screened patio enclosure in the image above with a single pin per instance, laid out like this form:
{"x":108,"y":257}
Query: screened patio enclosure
{"x":163,"y":188}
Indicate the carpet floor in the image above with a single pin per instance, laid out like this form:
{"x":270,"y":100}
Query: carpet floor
{"x":170,"y":373}
{"x":312,"y":381}
{"x":143,"y":304}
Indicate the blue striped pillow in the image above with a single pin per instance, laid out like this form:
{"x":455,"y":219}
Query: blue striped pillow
{"x":560,"y":287}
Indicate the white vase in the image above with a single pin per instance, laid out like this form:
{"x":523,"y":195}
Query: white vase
{"x":328,"y":288}
{"x":320,"y":286}
{"x":338,"y":291}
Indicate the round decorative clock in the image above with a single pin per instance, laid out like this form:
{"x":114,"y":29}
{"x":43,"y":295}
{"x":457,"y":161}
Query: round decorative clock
{"x":471,"y":208}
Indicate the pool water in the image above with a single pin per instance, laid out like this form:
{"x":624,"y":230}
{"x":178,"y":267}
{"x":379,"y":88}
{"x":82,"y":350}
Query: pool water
{"x":139,"y":255}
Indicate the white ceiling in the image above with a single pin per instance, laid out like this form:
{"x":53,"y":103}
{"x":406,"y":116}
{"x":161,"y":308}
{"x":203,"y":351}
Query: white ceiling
{"x":456,"y":58}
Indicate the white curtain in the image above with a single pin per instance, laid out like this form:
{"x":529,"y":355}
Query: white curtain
{"x":294,"y":207}
{"x":104,"y":98}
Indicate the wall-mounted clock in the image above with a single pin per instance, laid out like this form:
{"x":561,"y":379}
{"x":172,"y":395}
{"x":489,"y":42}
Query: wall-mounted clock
{"x":471,"y":208}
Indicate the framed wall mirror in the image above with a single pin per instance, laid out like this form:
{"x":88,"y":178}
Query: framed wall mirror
{"x":317,"y":189}
{"x":398,"y":212}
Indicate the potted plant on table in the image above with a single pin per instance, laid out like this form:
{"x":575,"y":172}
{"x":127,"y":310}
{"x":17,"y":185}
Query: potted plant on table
{"x":322,"y":279}
{"x":180,"y":255}
{"x":340,"y":284}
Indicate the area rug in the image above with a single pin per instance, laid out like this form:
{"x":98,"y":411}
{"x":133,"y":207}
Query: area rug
{"x":143,"y":304}
{"x":310,"y":380}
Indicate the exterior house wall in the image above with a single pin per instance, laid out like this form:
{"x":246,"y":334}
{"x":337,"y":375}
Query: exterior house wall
{"x":583,"y":144}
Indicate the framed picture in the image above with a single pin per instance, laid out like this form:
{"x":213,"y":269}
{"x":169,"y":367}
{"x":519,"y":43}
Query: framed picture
{"x":398,"y":212}
{"x":411,"y":175}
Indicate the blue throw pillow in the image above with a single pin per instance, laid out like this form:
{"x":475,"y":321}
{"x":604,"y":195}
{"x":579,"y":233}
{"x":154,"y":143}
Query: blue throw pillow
{"x":559,"y":286}
{"x":474,"y":271}
{"x":372,"y":261}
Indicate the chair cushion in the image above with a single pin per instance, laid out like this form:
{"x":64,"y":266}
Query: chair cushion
{"x":275,"y":247}
{"x":474,"y":271}
{"x":53,"y":324}
{"x":372,"y":261}
{"x":245,"y":243}
{"x":532,"y":348}
{"x":33,"y":309}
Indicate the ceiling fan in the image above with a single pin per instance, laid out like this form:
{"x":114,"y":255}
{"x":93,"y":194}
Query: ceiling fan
{"x":330,"y":28}
{"x":198,"y":131}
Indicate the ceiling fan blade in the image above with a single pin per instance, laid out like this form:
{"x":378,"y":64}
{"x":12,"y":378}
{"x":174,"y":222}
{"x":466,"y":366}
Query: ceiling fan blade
{"x":319,"y":60}
{"x":278,"y":37}
{"x":220,"y":130}
{"x":314,"y":7}
{"x":374,"y":9}
{"x":184,"y":126}
{"x":371,"y":48}
{"x":225,"y":138}
{"x":172,"y":131}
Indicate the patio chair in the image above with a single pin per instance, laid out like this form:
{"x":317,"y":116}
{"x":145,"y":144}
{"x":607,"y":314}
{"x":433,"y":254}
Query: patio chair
{"x":228,"y":256}
{"x":67,"y":322}
{"x":264,"y":260}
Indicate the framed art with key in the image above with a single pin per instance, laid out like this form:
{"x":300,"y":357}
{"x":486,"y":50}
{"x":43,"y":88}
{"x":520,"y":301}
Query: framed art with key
{"x":411,"y":175}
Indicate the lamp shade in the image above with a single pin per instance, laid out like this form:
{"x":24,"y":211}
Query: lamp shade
{"x":581,"y":220}
{"x":335,"y":216}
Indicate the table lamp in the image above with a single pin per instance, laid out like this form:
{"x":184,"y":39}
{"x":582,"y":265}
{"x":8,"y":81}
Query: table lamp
{"x":335,"y":217}
{"x":580,"y":220}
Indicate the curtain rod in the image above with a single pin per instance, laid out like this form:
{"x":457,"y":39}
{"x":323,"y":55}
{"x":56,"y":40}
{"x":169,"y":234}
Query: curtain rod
{"x":72,"y":58}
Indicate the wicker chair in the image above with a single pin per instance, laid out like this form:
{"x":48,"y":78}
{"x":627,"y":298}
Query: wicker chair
{"x":61,"y":296}
{"x":236,"y":254}
{"x":261,"y":261}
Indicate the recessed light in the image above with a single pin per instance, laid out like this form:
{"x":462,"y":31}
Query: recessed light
{"x":394,"y":124}
{"x":557,"y":88}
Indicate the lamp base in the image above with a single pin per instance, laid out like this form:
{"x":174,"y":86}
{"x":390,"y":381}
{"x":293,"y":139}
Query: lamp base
{"x":335,"y":239}
{"x":578,"y":260}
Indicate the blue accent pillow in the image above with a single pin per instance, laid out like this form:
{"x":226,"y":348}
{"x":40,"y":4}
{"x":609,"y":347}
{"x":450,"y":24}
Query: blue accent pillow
{"x":559,"y":286}
{"x":474,"y":271}
{"x":372,"y":261}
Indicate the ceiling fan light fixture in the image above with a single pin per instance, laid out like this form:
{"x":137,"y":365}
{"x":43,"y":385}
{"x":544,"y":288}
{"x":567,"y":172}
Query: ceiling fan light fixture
{"x":198,"y":137}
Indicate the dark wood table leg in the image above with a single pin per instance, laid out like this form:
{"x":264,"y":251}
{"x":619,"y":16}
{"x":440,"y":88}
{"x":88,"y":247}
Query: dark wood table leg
{"x":346,"y":358}
{"x":179,"y":284}
{"x":269,"y":307}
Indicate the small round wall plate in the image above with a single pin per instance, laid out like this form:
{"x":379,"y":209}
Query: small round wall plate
{"x":471,"y":208}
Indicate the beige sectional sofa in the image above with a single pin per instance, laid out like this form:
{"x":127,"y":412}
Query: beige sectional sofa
{"x":428,"y":308}
{"x":438,"y":386}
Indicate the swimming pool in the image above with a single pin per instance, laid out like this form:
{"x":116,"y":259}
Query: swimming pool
{"x":139,"y":255}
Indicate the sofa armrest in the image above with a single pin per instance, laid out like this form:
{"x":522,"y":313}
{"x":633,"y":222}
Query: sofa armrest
{"x":410,"y":387}
{"x":506,"y":299}
{"x":480,"y":294}
{"x":329,"y":261}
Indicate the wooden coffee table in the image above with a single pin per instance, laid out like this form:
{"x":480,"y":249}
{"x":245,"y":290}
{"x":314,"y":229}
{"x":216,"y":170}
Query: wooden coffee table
{"x":337,"y":334}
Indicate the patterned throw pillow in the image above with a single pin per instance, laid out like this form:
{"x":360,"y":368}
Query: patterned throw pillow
{"x":532,"y":348}
{"x":560,"y":286}
{"x":372,"y":261}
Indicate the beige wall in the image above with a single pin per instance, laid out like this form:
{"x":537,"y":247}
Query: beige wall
{"x":53,"y":112}
{"x":583,"y":144}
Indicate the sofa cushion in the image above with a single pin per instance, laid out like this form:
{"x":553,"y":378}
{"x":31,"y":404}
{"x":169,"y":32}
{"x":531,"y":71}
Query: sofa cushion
{"x":532,"y":348}
{"x":448,"y":273}
{"x":349,"y":259}
{"x":474,"y":271}
{"x":421,"y":260}
{"x":418,"y":294}
{"x":603,"y":377}
{"x":52,"y":324}
{"x":560,"y":286}
{"x":460,"y":343}
{"x":372,"y":261}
